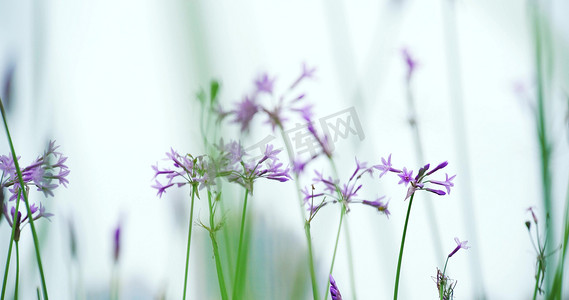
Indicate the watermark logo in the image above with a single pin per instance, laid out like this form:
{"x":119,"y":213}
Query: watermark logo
{"x":337,"y":126}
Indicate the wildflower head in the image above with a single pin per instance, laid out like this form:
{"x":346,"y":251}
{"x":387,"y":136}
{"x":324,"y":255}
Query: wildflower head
{"x":459,"y":245}
{"x":265,"y":84}
{"x":20,"y":218}
{"x":421,"y":181}
{"x":245,"y":111}
{"x":334,"y":291}
{"x":380,"y":205}
{"x":46,"y":173}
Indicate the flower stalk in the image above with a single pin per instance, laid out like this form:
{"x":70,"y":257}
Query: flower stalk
{"x":31,"y":220}
{"x":396,"y":288}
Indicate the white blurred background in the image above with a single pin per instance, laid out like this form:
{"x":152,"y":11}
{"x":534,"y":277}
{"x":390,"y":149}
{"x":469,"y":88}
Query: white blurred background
{"x":114,"y":83}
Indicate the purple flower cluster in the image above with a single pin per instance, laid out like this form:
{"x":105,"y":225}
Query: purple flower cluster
{"x":346,"y":193}
{"x":41,"y":173}
{"x":184,"y":170}
{"x":46,"y":173}
{"x":418,"y":182}
{"x":251,"y":105}
{"x":244,"y":171}
{"x":229,"y":163}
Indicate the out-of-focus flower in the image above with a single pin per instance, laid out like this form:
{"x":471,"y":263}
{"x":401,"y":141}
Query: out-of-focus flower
{"x":380,"y":205}
{"x":42,"y":173}
{"x":117,"y":243}
{"x":276,"y":112}
{"x":245,"y":111}
{"x":265,"y":84}
{"x":334,"y":291}
{"x":410,"y":62}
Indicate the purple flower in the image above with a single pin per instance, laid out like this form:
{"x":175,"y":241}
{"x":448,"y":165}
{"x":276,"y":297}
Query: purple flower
{"x":22,"y":219}
{"x":459,"y":245}
{"x":406,"y":176}
{"x":530,"y":209}
{"x":440,"y":166}
{"x":161,"y":188}
{"x":410,"y":62}
{"x":385,"y":167}
{"x":117,"y":243}
{"x":418,"y":182}
{"x":334,"y":291}
{"x":306,"y":73}
{"x":359,"y":166}
{"x":379,"y":204}
{"x":447,"y":183}
{"x":265,"y":84}
{"x":42,"y":173}
{"x":438,"y":192}
{"x":245,"y":112}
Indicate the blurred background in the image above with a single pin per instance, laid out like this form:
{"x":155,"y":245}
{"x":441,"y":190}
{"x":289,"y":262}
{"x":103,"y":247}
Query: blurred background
{"x":114,"y":82}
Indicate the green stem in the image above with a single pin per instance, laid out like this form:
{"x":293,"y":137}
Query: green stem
{"x":396,"y":289}
{"x":544,"y":146}
{"x":189,"y":240}
{"x":218,"y":267}
{"x":22,"y":185}
{"x":240,"y":277}
{"x":342,"y":213}
{"x":350,"y":259}
{"x":10,"y":249}
{"x":307,"y":234}
{"x":347,"y":230}
{"x":17,"y":271}
{"x":537,"y":277}
{"x":115,"y":283}
{"x":311,"y":261}
{"x":441,"y":287}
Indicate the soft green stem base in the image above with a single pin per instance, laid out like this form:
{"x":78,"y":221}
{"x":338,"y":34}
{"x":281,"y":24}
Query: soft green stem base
{"x":31,"y":220}
{"x":311,"y":261}
{"x":307,"y":224}
{"x":218,"y":267}
{"x":396,"y":288}
{"x":5,"y":280}
{"x":238,"y":276}
{"x":441,"y":287}
{"x":342,"y":213}
{"x":17,"y":272}
{"x":189,"y":241}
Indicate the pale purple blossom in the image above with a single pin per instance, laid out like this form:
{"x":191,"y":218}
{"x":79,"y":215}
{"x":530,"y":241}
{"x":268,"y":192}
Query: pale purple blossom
{"x":406,"y":176}
{"x":46,"y":173}
{"x":345,"y":193}
{"x":245,"y":111}
{"x":447,"y":183}
{"x":418,"y":182}
{"x":277,"y":111}
{"x":460,"y":245}
{"x":265,"y":84}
